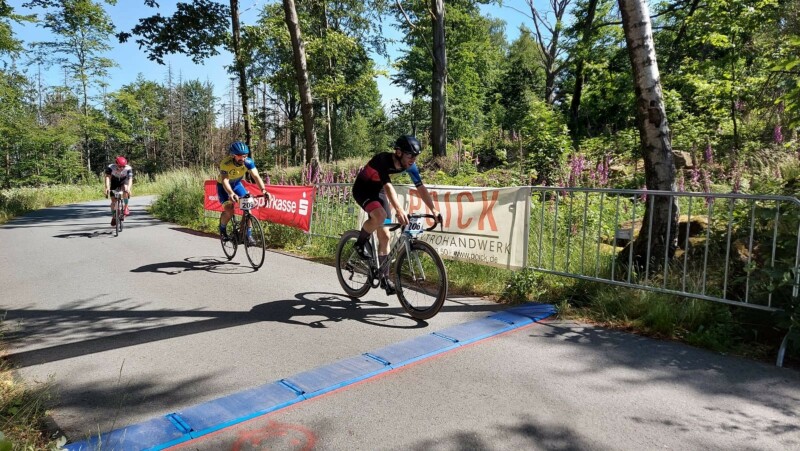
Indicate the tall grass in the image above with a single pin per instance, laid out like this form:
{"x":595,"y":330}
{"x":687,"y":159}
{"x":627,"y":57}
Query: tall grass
{"x":180,"y":199}
{"x":23,"y":413}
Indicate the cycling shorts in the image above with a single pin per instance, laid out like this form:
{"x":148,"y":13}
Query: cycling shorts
{"x":370,"y":200}
{"x":116,"y":183}
{"x":222,"y":195}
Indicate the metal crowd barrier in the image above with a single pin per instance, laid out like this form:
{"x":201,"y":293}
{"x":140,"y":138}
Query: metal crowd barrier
{"x":736,"y":249}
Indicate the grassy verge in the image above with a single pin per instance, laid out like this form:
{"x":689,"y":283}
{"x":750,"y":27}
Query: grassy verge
{"x":23,"y":413}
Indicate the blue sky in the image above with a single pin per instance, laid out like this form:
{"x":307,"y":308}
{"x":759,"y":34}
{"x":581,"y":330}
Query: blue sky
{"x":132,"y":61}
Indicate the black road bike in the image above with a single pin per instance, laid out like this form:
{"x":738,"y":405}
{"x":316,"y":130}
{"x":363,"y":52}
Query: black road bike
{"x":419,"y":273}
{"x":255,"y":249}
{"x":119,"y":211}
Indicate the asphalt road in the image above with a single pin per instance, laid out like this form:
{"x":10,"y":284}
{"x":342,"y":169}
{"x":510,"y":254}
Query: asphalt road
{"x":157,"y":320}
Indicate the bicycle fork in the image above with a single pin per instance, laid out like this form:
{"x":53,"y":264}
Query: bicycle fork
{"x":417,"y":273}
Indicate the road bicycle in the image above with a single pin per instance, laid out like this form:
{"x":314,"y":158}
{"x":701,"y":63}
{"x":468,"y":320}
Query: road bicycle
{"x":237,"y":233}
{"x":419,"y":274}
{"x":119,"y":211}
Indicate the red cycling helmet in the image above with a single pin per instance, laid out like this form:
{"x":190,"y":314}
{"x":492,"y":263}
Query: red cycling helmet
{"x":121,"y":161}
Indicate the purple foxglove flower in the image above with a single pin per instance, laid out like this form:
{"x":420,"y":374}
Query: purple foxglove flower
{"x":777,"y":136}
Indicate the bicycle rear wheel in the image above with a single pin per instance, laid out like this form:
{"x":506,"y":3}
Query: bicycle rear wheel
{"x":255,"y":252}
{"x":352,"y":271}
{"x":229,"y":246}
{"x":421,"y":280}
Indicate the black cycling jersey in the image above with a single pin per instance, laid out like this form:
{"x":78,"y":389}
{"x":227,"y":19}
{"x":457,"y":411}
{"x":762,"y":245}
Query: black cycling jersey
{"x":370,"y":180}
{"x":376,"y":173}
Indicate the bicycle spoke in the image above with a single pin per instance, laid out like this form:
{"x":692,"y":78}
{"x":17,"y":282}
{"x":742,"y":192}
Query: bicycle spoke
{"x":353,"y":272}
{"x":229,"y":246}
{"x":421,"y":281}
{"x":255,"y":250}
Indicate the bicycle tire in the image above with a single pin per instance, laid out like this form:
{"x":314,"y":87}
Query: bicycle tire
{"x":352,"y":271}
{"x":229,"y":246}
{"x":255,"y":253}
{"x":420,"y":298}
{"x":120,"y":216}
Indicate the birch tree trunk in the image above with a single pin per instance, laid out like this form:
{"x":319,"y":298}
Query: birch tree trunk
{"x":301,"y":73}
{"x":438,"y":106}
{"x":654,"y":136}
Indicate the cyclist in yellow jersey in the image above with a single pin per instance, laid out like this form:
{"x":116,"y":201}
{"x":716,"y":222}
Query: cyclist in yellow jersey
{"x":232,"y":170}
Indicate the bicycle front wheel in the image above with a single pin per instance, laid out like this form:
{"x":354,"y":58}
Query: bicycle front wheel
{"x":120,"y":217}
{"x":353,"y":271}
{"x":421,"y":280}
{"x":229,"y":245}
{"x":255,"y":248}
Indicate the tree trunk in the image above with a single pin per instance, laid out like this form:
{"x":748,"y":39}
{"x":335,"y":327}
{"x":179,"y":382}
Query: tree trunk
{"x":85,"y":110}
{"x":674,"y":54}
{"x":438,"y":105}
{"x":328,"y":131}
{"x":661,"y":211}
{"x":8,"y":168}
{"x":301,"y":72}
{"x":549,"y":48}
{"x":237,"y":53}
{"x":586,"y":40}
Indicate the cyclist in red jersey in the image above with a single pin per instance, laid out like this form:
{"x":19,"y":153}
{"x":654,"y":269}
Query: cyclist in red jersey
{"x":119,"y":174}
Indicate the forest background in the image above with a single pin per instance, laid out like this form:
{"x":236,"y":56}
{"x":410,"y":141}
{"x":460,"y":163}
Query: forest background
{"x":558,"y":96}
{"x":554,"y":106}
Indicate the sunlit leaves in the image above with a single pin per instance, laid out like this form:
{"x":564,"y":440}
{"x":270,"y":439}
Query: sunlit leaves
{"x":197,"y":30}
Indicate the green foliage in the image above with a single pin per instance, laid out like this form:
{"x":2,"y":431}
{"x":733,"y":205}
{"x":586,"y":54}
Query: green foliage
{"x":788,"y":71}
{"x":196,"y":29}
{"x":523,"y":285}
{"x":180,"y":198}
{"x":358,"y":137}
{"x":474,"y":55}
{"x":522,"y":80}
{"x":545,"y":141}
{"x":9,"y":44}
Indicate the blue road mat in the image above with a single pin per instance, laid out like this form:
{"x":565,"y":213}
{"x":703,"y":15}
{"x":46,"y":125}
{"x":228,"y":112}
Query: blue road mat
{"x":195,"y":421}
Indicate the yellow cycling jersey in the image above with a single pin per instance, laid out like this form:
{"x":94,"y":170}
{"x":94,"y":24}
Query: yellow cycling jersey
{"x":229,"y":168}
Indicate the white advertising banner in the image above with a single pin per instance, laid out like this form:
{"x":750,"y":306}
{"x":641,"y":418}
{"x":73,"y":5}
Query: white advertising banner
{"x":488,"y":226}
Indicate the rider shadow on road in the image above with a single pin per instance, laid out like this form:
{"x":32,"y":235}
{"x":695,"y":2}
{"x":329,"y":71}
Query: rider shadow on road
{"x":210,"y":264}
{"x":94,"y":234}
{"x":120,"y":328}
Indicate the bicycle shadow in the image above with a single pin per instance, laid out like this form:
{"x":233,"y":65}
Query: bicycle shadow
{"x":314,"y":309}
{"x":208,"y":264}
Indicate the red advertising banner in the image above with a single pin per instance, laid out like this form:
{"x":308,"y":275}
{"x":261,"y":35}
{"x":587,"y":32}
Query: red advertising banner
{"x":290,"y":205}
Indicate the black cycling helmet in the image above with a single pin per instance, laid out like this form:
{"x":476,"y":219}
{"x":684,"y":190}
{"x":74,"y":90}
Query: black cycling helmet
{"x":408,"y":144}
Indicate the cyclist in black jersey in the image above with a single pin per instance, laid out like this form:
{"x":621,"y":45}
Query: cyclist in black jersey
{"x":373,"y":188}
